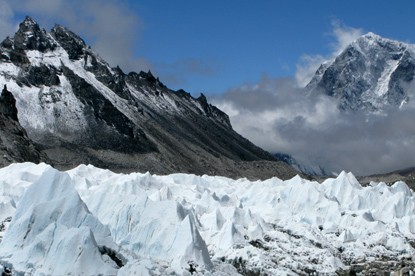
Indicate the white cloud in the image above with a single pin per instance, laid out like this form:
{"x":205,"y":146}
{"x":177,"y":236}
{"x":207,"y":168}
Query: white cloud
{"x":7,"y":27}
{"x":277,"y":116}
{"x":344,"y":35}
{"x":307,"y":67}
{"x":260,"y":112}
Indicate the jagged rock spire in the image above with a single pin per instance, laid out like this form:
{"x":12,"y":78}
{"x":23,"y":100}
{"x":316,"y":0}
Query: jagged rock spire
{"x":73,"y":44}
{"x":31,"y":37}
{"x":8,"y":104}
{"x":29,"y":21}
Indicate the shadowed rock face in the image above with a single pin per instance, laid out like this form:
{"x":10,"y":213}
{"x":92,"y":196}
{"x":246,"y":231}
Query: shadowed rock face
{"x":78,"y":109}
{"x":15,"y":146}
{"x":8,"y":104}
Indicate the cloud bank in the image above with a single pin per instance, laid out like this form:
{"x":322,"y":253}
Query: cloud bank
{"x":277,"y":115}
{"x":6,"y":19}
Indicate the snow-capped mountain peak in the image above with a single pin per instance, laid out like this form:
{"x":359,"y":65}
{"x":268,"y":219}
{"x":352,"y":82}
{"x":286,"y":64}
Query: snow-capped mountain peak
{"x":371,"y":35}
{"x":29,"y":26}
{"x":71,"y":100}
{"x":31,"y":37}
{"x":371,"y":73}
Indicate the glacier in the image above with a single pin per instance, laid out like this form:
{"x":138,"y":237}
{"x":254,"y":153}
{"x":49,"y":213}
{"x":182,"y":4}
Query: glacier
{"x":91,"y":221}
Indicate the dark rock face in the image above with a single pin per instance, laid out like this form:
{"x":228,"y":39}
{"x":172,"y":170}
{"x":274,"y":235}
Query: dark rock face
{"x":213,"y":111}
{"x":42,"y":75}
{"x":403,"y":74}
{"x":31,"y":37}
{"x":85,"y":111}
{"x":15,"y":146}
{"x":371,"y":73}
{"x":28,"y":37}
{"x":8,"y":104}
{"x":109,"y":128}
{"x":73,"y":44}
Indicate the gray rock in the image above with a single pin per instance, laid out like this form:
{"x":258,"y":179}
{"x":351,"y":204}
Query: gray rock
{"x":133,"y":121}
{"x":370,"y":74}
{"x":15,"y":145}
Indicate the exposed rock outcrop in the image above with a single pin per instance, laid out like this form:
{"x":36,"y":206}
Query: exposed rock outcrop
{"x":78,"y":110}
{"x":15,"y":145}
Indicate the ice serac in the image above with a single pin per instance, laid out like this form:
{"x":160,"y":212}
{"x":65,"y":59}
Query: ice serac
{"x":370,"y":74}
{"x":128,"y":224}
{"x":81,"y":110}
{"x":161,"y":229}
{"x":52,"y":232}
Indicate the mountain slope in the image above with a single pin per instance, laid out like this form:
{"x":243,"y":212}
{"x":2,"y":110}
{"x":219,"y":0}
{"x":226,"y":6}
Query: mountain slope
{"x":15,"y":146}
{"x":370,"y":74}
{"x":80,"y":110}
{"x":306,"y":168}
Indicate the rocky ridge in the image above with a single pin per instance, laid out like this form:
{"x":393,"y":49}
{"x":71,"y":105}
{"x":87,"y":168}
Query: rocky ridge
{"x":78,"y":109}
{"x":15,"y":145}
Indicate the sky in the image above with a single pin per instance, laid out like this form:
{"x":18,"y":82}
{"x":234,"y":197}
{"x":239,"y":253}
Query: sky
{"x":249,"y":58}
{"x":212,"y":46}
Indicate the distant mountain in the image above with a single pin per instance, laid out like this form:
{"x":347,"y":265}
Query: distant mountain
{"x":370,"y":74}
{"x":406,"y":175}
{"x":80,"y":110}
{"x":305,"y":168}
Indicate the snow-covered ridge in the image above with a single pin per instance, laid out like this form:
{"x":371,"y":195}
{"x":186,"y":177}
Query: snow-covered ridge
{"x":136,"y":223}
{"x":370,"y":74}
{"x":66,"y":92}
{"x":69,"y":99}
{"x":61,"y":48}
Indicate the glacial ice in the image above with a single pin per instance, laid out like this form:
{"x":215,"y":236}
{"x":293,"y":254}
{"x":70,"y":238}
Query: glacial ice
{"x":93,"y":221}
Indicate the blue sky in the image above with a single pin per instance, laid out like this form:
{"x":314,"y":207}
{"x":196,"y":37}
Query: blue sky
{"x":234,"y":42}
{"x":212,"y":46}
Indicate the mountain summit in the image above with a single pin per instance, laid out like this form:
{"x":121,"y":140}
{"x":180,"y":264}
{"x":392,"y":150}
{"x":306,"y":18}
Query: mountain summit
{"x":371,"y":73}
{"x":78,"y":109}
